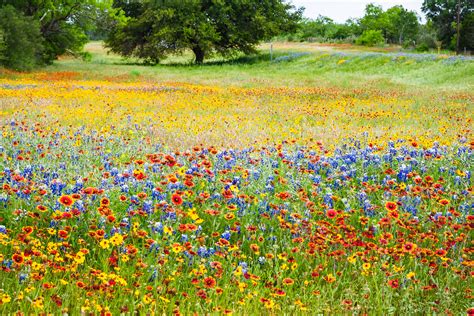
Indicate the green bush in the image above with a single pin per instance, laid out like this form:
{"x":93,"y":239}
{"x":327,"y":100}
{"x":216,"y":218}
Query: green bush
{"x":371,"y":38}
{"x":22,"y":41}
{"x":426,"y":38}
{"x":423,"y":47}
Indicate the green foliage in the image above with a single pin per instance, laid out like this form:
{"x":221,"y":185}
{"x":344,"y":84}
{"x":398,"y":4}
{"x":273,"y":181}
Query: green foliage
{"x":21,"y":40}
{"x":403,"y":25}
{"x":426,"y":38}
{"x":62,"y":23}
{"x":155,"y":29}
{"x":374,"y":19}
{"x":2,"y":45}
{"x":467,"y":32}
{"x":444,"y":13}
{"x":324,"y":29}
{"x":371,"y":38}
{"x":397,"y":24}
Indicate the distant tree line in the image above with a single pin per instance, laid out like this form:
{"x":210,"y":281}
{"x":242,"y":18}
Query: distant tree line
{"x":449,"y":23}
{"x":36,"y":32}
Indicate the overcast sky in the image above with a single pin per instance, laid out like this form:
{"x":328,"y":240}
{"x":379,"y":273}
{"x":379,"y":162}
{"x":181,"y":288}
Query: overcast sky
{"x":341,"y":10}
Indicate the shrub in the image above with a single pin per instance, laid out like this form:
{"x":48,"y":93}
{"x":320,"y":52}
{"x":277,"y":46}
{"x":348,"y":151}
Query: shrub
{"x":370,"y":38}
{"x":426,"y":38}
{"x":22,"y":41}
{"x":423,"y":47}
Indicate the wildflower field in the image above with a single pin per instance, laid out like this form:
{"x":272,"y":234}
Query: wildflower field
{"x":127,"y":193}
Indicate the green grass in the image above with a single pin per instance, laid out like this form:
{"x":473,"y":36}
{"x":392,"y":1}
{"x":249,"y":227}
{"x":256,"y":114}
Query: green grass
{"x":363,"y":69}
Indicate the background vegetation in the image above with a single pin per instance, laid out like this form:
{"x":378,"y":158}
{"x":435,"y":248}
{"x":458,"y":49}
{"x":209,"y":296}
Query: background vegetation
{"x":35,"y":33}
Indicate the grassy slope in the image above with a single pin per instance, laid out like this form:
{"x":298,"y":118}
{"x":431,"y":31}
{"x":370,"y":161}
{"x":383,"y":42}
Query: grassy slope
{"x":318,"y":68}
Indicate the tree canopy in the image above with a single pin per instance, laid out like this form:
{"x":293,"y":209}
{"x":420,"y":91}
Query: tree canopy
{"x":154,"y":29}
{"x":445,"y":15}
{"x":396,"y":25}
{"x":61,"y":26}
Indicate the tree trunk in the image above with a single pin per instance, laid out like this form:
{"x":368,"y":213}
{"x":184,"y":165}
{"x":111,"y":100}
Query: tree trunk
{"x":199,"y":54}
{"x":458,"y":27}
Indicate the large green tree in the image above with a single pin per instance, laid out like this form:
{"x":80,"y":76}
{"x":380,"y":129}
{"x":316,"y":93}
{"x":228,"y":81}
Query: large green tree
{"x":453,"y":21}
{"x":397,"y":24}
{"x":20,"y":40}
{"x":402,"y":25}
{"x":154,"y":29}
{"x":62,"y":23}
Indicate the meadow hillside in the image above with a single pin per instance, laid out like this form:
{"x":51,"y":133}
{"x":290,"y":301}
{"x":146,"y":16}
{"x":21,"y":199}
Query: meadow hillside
{"x":294,"y":65}
{"x":318,"y":180}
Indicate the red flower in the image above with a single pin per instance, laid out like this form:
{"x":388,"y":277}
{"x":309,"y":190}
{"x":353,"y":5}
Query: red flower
{"x":331,"y":213}
{"x":255,"y":248}
{"x":227,"y":194}
{"x":288,"y":281}
{"x":63,"y":234}
{"x":394,"y":284}
{"x":409,"y":247}
{"x":104,"y":202}
{"x":209,"y":282}
{"x":443,"y":202}
{"x":27,"y":229}
{"x":18,"y":258}
{"x":66,"y":200}
{"x":177,"y":199}
{"x":391,"y":206}
{"x":90,"y":190}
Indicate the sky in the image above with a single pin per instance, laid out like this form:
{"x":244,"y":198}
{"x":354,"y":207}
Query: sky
{"x":341,"y":10}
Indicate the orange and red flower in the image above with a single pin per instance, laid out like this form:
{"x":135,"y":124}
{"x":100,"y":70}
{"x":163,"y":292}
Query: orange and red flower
{"x":391,"y":206}
{"x":66,"y":200}
{"x":177,"y":199}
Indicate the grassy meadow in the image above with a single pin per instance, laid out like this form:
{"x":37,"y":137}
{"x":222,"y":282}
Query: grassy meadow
{"x":318,"y":180}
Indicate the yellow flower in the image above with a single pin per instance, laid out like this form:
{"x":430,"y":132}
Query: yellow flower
{"x":104,"y":244}
{"x":269,"y":304}
{"x":124,"y":258}
{"x":38,"y":303}
{"x":164,"y":299}
{"x":35,"y":266}
{"x":411,"y":275}
{"x":193,"y":214}
{"x":234,"y":188}
{"x":366,"y":266}
{"x":177,"y":248}
{"x":116,"y":240}
{"x":147,"y":299}
{"x":20,"y":296}
{"x":6,"y":299}
{"x":352,"y":259}
{"x":79,"y":258}
{"x":238,"y":271}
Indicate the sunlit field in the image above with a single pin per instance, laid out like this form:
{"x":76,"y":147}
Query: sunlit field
{"x":323,"y":181}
